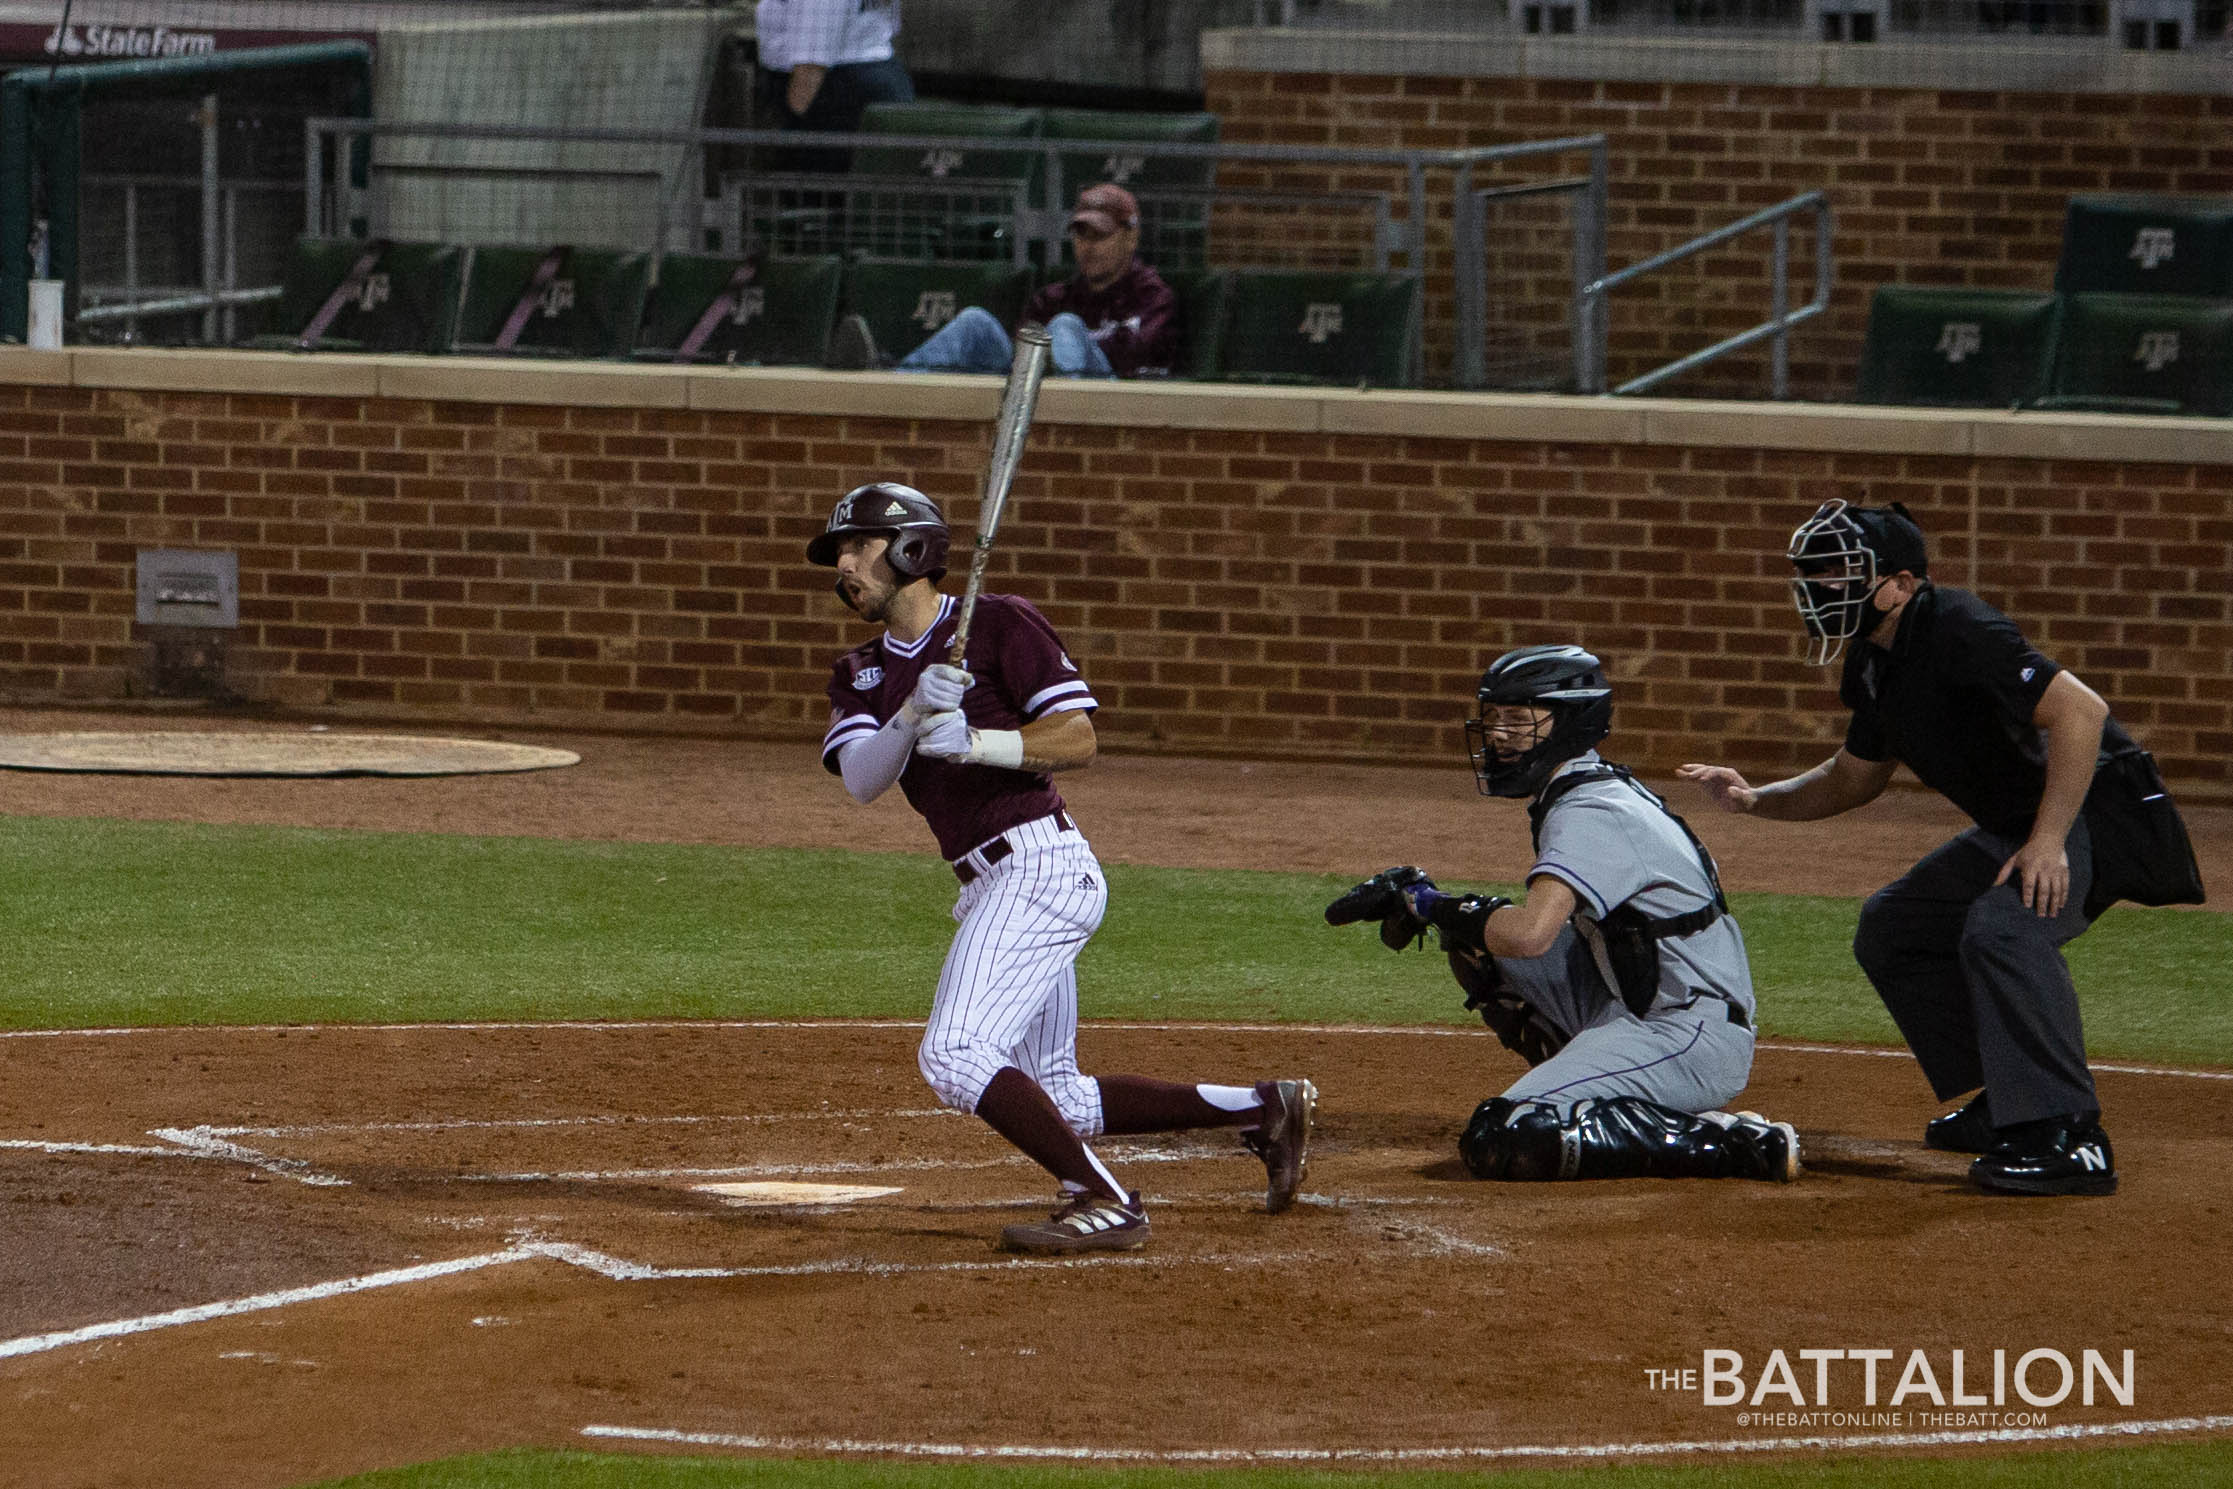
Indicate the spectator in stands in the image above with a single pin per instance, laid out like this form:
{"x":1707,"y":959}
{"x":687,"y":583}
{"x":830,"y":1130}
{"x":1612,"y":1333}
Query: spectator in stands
{"x":1115,"y":317}
{"x":821,"y":63}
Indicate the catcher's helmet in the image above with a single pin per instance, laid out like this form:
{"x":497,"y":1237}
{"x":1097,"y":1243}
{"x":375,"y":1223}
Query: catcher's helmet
{"x":1843,"y":554}
{"x":916,"y":527}
{"x":1567,"y":682}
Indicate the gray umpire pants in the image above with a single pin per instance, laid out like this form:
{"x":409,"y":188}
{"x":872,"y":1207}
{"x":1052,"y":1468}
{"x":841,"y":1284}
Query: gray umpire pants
{"x":1976,"y":981}
{"x":1692,"y":1059}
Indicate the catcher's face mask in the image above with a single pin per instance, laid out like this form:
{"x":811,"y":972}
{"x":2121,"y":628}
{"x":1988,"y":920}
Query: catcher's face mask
{"x":1537,"y":708}
{"x":1837,"y":579}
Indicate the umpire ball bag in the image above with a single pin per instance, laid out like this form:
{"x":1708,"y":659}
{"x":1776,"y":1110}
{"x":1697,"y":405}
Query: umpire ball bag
{"x":2141,"y":851}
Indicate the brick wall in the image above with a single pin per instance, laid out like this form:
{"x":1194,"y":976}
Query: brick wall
{"x":1316,"y":575}
{"x":1929,"y":185}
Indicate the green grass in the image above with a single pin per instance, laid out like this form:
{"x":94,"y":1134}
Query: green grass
{"x":2158,"y":1466}
{"x":118,"y":923}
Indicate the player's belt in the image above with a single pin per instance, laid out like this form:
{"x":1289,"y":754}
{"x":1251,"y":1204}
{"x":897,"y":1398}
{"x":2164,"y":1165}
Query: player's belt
{"x":1730,"y":1006}
{"x":998,"y":849}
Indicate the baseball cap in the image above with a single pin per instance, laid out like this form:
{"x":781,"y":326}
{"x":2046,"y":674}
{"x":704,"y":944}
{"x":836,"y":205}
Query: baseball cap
{"x":1833,"y":535}
{"x":1107,"y":208}
{"x":1895,"y":539}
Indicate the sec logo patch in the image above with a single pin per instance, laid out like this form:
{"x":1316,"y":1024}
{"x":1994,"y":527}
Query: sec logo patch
{"x":866,"y":678}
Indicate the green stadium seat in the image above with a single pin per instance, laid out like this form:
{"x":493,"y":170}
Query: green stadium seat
{"x":405,"y":300}
{"x":782,"y":314}
{"x":903,"y":302}
{"x":586,"y":302}
{"x":964,"y":162}
{"x":2144,"y":354}
{"x":2147,"y":245}
{"x":1957,"y":348}
{"x":1313,"y":327}
{"x":1172,"y":189}
{"x":1205,"y":309}
{"x":959,"y":201}
{"x":1136,"y":173}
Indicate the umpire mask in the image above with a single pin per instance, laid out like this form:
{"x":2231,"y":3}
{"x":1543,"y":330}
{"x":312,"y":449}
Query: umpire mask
{"x":1564,"y":681}
{"x":1843,"y":555}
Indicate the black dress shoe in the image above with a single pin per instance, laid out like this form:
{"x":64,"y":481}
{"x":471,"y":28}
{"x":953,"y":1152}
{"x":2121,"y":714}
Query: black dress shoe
{"x":1969,"y":1130}
{"x":2062,"y":1155}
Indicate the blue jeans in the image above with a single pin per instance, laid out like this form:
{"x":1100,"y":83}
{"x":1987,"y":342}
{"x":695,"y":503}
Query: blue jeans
{"x":975,"y":341}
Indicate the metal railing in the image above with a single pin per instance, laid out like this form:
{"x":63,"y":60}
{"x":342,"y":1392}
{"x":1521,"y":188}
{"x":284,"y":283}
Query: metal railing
{"x":1469,"y":250}
{"x":2122,"y":25}
{"x":1781,"y":318}
{"x":136,"y":298}
{"x":1391,"y":244}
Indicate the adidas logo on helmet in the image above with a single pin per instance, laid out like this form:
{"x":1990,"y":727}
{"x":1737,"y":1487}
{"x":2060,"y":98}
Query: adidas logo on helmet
{"x":912,"y":520}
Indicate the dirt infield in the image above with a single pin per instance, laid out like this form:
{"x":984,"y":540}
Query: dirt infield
{"x":441,"y":1239}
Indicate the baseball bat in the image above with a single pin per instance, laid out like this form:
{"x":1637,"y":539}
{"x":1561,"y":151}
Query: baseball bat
{"x":1009,"y":431}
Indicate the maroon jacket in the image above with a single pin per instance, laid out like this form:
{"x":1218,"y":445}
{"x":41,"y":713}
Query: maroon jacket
{"x":1134,"y":318}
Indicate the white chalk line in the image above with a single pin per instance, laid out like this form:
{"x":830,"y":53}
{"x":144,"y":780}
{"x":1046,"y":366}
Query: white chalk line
{"x":1113,"y":1152}
{"x":606,"y":1265}
{"x":212,"y":1143}
{"x":39,"y":1343}
{"x":839,"y":1447}
{"x":623,"y":1026}
{"x":204,"y":1143}
{"x":321,"y":1129}
{"x":1882,"y":1053}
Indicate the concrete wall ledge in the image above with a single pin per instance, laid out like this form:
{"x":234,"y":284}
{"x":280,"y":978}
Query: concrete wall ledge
{"x":1979,"y":64}
{"x":1840,"y":428}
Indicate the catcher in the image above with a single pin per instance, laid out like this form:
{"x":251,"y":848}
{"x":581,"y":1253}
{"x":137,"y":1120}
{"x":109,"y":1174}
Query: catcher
{"x":1621,"y":977}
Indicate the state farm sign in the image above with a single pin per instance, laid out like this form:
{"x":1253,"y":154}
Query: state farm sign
{"x":103,"y":42}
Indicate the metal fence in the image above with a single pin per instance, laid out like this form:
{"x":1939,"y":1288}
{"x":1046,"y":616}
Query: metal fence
{"x":2136,"y":25}
{"x":1247,"y":206}
{"x":1519,"y":281}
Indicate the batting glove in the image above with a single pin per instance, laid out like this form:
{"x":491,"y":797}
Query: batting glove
{"x":938,"y":691}
{"x":944,"y":736}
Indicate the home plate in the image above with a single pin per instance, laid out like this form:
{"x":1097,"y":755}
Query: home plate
{"x":786,"y":1192}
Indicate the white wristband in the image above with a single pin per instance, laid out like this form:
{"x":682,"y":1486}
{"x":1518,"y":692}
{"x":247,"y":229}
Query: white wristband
{"x":1001,"y":747}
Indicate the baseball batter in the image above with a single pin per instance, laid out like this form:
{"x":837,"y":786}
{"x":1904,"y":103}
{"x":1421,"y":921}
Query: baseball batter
{"x":1621,"y":978}
{"x":974,"y":749}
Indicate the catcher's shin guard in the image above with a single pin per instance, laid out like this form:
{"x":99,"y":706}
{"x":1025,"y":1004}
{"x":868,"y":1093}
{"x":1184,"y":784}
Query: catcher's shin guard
{"x":1518,"y":1140}
{"x":1622,"y":1137}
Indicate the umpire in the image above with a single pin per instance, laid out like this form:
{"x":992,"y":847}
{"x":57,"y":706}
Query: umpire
{"x":1966,"y":949}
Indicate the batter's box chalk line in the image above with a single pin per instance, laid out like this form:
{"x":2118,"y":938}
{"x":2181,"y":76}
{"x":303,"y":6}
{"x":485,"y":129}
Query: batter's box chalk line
{"x":619,"y":1269}
{"x":808,"y":1447}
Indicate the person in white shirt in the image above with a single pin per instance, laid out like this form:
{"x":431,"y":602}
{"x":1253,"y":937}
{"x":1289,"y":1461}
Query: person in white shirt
{"x":822,"y":62}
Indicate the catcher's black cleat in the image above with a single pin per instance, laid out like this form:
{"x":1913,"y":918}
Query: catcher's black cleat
{"x":1969,"y":1130}
{"x":1283,"y":1141}
{"x":1763,"y":1149}
{"x":2062,"y":1155}
{"x":1088,"y":1222}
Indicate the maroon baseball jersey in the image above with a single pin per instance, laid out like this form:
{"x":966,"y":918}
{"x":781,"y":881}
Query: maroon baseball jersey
{"x":1133,"y":318}
{"x":1022,"y":674}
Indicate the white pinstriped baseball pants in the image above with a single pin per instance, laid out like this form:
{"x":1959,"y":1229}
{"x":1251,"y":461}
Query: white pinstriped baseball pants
{"x":1008,"y":994}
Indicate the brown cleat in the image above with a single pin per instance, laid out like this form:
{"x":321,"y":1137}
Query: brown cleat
{"x":1283,"y":1141}
{"x":1088,"y":1222}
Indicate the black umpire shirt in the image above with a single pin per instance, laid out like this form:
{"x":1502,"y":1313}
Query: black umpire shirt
{"x":1953,"y":697}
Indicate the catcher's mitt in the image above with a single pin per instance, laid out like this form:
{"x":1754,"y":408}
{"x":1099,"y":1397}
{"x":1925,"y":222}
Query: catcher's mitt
{"x":1381,"y":898}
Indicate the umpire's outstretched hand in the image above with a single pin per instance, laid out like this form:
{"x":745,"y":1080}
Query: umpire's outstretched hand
{"x":1724,"y":787}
